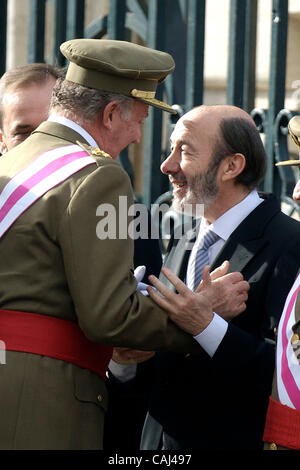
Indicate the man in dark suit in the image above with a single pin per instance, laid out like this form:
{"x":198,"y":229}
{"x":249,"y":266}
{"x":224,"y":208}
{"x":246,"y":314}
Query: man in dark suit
{"x":219,"y":400}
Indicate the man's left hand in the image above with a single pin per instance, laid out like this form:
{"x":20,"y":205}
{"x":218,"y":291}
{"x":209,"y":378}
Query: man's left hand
{"x":191,"y":311}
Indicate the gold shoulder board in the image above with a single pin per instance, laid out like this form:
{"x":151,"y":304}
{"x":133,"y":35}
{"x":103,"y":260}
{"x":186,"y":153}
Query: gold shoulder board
{"x":93,"y":150}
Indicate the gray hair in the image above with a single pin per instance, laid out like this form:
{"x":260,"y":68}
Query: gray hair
{"x":82,"y":104}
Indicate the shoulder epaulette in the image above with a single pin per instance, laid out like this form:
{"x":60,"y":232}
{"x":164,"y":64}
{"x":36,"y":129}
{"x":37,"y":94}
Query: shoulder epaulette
{"x":93,"y":150}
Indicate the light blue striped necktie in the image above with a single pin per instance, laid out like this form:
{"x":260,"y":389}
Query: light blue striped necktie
{"x":201,"y":258}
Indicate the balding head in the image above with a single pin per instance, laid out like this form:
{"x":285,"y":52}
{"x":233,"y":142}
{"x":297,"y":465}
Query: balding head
{"x":231,"y":131}
{"x":216,"y":158}
{"x":222,"y":111}
{"x":215,"y":114}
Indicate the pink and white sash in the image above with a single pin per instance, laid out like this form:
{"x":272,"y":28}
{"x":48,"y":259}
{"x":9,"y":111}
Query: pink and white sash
{"x":288,"y":366}
{"x":44,"y":173}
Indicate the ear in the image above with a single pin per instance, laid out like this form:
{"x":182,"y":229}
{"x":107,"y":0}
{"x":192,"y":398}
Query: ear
{"x":232,"y":166}
{"x":3,"y":147}
{"x":109,"y":114}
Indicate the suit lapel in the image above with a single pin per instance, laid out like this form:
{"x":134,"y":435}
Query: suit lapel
{"x":239,"y":254}
{"x":248,"y":238}
{"x":241,"y":247}
{"x":178,"y":256}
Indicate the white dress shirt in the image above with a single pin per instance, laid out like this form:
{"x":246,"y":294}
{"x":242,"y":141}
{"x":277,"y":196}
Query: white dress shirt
{"x":224,"y":226}
{"x":73,"y":125}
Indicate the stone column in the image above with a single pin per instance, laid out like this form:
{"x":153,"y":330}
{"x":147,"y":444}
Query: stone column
{"x":17,"y":32}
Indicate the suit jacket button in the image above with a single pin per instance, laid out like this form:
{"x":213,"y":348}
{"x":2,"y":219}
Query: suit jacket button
{"x":100,"y":398}
{"x":187,"y":355}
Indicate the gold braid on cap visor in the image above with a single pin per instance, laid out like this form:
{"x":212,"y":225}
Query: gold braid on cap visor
{"x":142,"y":94}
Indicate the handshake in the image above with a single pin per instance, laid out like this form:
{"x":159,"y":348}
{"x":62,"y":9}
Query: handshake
{"x":219,"y":292}
{"x":226,"y":293}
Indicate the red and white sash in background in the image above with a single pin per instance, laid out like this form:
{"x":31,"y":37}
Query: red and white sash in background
{"x":44,"y":173}
{"x":288,"y":366}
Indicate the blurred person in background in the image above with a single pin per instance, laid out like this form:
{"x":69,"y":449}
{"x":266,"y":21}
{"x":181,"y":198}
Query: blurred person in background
{"x":25,"y":94}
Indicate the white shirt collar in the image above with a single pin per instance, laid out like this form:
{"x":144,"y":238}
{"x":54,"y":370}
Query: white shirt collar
{"x":230,"y":220}
{"x":73,"y":125}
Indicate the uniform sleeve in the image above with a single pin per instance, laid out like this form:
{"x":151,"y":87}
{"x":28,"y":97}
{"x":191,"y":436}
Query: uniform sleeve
{"x":99,"y":271}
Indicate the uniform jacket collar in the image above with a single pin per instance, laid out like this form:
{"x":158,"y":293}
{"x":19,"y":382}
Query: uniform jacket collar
{"x":59,"y":130}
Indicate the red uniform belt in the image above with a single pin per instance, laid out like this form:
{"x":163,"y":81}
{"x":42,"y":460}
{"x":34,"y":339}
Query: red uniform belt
{"x":282,"y":425}
{"x":53,"y":337}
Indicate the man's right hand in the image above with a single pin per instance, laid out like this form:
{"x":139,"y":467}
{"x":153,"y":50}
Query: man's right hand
{"x":230,"y":292}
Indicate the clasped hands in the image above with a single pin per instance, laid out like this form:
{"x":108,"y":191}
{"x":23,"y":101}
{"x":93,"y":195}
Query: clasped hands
{"x":219,"y":292}
{"x":225,"y":294}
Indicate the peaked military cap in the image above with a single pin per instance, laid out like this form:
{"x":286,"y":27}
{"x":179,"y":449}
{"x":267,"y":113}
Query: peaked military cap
{"x":294,"y":130}
{"x":119,"y":67}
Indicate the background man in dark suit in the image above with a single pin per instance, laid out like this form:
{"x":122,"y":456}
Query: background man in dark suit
{"x":219,"y":400}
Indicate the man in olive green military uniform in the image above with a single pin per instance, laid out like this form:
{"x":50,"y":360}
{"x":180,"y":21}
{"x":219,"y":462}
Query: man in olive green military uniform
{"x":282,"y":429}
{"x":67,"y":297}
